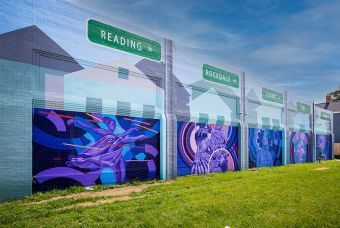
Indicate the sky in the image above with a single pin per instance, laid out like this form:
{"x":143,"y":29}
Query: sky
{"x":293,"y":45}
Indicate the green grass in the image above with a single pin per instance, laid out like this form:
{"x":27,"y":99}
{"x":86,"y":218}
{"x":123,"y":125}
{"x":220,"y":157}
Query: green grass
{"x":293,"y":196}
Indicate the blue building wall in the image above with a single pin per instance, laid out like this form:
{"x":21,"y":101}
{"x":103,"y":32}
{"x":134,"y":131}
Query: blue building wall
{"x":46,"y":62}
{"x":50,"y":70}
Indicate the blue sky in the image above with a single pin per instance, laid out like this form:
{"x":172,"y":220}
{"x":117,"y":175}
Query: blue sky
{"x":293,"y":45}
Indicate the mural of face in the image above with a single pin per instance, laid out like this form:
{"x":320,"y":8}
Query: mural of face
{"x":264,"y":140}
{"x":111,"y":124}
{"x":265,"y":147}
{"x":206,"y":148}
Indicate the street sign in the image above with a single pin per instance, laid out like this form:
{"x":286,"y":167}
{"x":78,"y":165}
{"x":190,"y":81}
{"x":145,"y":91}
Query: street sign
{"x":220,"y":76}
{"x":113,"y":37}
{"x":303,"y":108}
{"x":325,"y":116}
{"x":271,"y":95}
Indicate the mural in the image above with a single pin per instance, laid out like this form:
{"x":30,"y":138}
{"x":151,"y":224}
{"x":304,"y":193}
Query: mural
{"x":206,"y":148}
{"x":323,"y":147}
{"x":265,"y":147}
{"x":74,"y":148}
{"x":300,"y":147}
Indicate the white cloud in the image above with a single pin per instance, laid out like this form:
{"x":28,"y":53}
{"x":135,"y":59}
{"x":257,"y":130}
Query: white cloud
{"x":305,"y":37}
{"x":297,"y":51}
{"x":291,"y":53}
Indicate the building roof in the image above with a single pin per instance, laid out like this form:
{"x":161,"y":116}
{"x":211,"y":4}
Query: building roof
{"x":31,"y":45}
{"x":202,"y":86}
{"x":155,"y":69}
{"x":333,"y":106}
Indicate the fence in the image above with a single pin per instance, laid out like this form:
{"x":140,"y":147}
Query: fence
{"x":88,"y":100}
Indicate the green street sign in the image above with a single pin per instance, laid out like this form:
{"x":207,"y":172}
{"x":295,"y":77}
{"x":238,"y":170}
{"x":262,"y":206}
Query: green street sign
{"x":113,"y":37}
{"x":271,"y":95}
{"x":325,"y":116}
{"x":303,"y":108}
{"x":220,"y":76}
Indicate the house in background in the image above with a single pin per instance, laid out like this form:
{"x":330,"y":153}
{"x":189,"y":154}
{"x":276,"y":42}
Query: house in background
{"x":333,"y":104}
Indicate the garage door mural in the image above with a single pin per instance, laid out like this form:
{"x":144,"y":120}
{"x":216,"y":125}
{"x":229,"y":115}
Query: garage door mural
{"x":300,"y":147}
{"x":206,"y":148}
{"x":76,"y":148}
{"x":265,"y":147}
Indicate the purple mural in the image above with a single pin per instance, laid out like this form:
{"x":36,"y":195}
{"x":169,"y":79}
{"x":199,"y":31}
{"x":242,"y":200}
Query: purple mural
{"x":265,"y":147}
{"x":323,"y":147}
{"x":300,"y":147}
{"x":206,"y":148}
{"x":74,"y":148}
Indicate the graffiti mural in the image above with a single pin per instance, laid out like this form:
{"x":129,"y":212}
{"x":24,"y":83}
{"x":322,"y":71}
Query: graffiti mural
{"x":300,"y":147}
{"x":75,"y":148}
{"x":323,"y":147}
{"x":265,"y":147}
{"x":206,"y":148}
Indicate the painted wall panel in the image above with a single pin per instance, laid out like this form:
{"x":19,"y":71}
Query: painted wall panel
{"x":46,"y":60}
{"x":299,"y":121}
{"x":263,"y":115}
{"x":323,"y":147}
{"x":265,"y":147}
{"x":206,"y":148}
{"x":322,"y":124}
{"x":75,"y":148}
{"x":300,"y":113}
{"x":300,"y":147}
{"x":192,"y":92}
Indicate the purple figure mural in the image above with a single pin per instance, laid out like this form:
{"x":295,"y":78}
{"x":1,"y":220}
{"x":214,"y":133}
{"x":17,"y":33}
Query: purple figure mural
{"x":75,"y":148}
{"x":107,"y":151}
{"x":211,"y":155}
{"x":265,"y":147}
{"x":206,"y":148}
{"x":323,"y":147}
{"x":300,"y":147}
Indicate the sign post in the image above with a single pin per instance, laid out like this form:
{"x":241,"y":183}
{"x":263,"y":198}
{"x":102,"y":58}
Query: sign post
{"x":113,"y":37}
{"x":325,"y":116}
{"x":220,"y":76}
{"x":303,"y":108}
{"x":271,"y":95}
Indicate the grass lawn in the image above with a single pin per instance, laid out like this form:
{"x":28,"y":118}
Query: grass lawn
{"x":305,"y":195}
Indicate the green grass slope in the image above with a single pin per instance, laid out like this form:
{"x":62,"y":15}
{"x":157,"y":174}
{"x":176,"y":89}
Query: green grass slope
{"x":305,"y":195}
